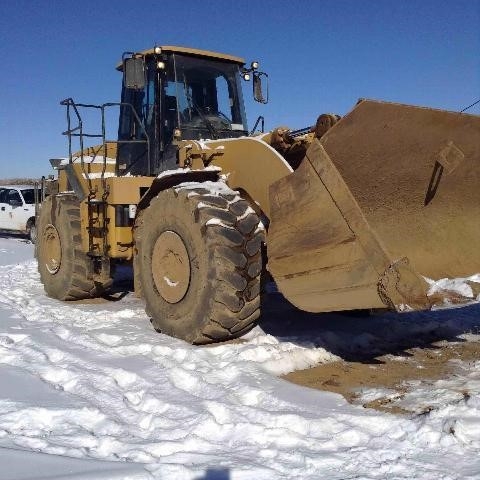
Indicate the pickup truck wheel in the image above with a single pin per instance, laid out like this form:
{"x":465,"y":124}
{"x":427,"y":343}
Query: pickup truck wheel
{"x":65,"y":269}
{"x":199,"y":262}
{"x":32,"y":231}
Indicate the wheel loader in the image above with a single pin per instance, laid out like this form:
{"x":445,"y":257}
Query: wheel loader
{"x":354,"y":212}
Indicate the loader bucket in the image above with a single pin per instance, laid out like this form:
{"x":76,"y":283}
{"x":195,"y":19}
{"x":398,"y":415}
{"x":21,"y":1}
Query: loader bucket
{"x":386,"y":198}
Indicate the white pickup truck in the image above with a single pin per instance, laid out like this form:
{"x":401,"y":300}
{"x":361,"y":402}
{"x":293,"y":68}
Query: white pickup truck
{"x":17,"y":209}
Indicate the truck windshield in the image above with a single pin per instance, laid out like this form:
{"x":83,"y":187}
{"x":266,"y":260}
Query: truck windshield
{"x":203,"y":98}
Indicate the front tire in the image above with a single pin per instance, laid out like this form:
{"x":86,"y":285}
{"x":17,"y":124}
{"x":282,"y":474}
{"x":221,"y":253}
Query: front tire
{"x":65,"y":269}
{"x":199,"y":262}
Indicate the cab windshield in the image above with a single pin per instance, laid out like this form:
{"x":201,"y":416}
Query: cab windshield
{"x":203,"y":98}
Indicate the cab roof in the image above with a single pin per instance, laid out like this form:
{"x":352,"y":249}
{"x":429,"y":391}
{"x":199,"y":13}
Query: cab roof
{"x":192,"y":51}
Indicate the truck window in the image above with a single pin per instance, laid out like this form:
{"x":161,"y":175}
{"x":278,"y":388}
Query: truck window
{"x":29,"y":195}
{"x":3,"y":195}
{"x":14,"y":195}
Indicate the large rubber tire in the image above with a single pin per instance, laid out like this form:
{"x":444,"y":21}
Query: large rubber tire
{"x":32,"y":231}
{"x":65,"y":270}
{"x":137,"y":281}
{"x":221,"y":237}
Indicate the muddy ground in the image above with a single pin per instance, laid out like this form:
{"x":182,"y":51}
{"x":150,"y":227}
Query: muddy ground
{"x":386,"y":351}
{"x":399,"y":374}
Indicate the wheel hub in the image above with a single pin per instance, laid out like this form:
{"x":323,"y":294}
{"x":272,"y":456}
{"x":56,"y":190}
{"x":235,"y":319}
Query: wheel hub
{"x":171,"y":267}
{"x":52,"y":249}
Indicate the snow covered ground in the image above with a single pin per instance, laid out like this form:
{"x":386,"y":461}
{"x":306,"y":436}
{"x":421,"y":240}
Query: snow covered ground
{"x":90,"y":391}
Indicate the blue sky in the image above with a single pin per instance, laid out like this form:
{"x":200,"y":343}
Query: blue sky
{"x":321,"y":56}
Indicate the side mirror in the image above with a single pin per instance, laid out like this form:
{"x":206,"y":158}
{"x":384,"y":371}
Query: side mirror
{"x":134,"y":73}
{"x":15,"y":203}
{"x":257,"y":87}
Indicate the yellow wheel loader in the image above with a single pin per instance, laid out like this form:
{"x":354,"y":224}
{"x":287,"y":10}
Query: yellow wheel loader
{"x":353,"y":213}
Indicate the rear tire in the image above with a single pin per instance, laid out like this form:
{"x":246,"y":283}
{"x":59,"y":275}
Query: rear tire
{"x":65,"y":269}
{"x":199,"y":262}
{"x":32,"y":231}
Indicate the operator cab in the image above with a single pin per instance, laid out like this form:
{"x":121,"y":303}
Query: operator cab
{"x":177,"y":94}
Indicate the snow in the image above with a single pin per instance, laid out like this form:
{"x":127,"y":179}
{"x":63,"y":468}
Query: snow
{"x":177,"y":171}
{"x":214,"y":188}
{"x":457,"y":285}
{"x":461,"y":391}
{"x":96,"y":175}
{"x":93,"y":159}
{"x":169,"y":282}
{"x":90,"y":391}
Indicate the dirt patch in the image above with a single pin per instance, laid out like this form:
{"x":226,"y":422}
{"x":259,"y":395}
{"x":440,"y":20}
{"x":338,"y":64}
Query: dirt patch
{"x":392,"y":372}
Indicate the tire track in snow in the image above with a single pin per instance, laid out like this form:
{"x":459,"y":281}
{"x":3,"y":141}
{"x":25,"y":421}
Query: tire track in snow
{"x":135,"y":412}
{"x":144,"y":397}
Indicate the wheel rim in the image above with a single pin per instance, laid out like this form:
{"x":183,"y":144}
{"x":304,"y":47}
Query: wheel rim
{"x":51,"y":249}
{"x":171,"y":267}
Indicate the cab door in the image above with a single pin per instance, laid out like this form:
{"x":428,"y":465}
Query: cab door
{"x":133,"y":155}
